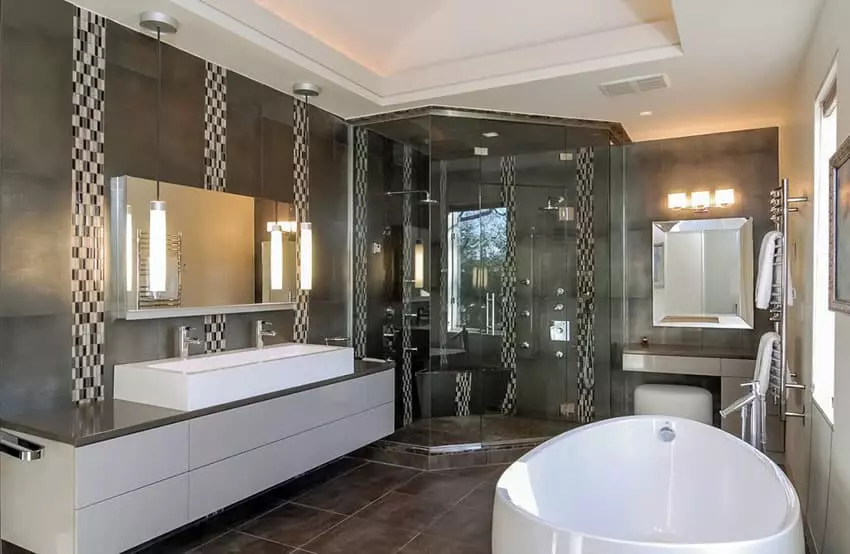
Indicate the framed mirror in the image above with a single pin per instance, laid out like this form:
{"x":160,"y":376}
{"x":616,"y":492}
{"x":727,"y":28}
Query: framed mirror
{"x":702,"y":273}
{"x":218,"y":253}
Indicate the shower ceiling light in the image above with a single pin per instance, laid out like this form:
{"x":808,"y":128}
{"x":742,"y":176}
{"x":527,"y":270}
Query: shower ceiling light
{"x":490,"y":134}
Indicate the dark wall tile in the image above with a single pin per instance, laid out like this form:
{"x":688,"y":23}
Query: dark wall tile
{"x":35,"y":245}
{"x":131,"y":85}
{"x":35,"y":55}
{"x":35,"y":360}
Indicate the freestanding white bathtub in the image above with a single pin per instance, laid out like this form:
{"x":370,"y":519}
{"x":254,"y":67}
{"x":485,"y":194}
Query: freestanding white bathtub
{"x":646,"y":485}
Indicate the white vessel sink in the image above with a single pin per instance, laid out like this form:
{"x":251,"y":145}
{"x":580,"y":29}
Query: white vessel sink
{"x":212,"y":379}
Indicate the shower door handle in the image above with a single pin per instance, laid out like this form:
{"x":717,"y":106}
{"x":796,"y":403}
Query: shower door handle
{"x":490,"y":306}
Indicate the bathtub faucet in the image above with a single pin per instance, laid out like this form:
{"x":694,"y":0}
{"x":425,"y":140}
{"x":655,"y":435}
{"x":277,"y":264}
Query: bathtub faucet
{"x":753,"y":411}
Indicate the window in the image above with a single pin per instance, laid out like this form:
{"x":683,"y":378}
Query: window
{"x":477,"y":245}
{"x":823,"y":320}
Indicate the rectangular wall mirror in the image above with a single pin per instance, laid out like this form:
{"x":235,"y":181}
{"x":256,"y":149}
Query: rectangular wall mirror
{"x":702,"y":273}
{"x":220,"y":254}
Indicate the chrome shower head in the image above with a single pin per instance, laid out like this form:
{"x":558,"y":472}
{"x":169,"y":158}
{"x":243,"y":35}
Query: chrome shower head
{"x":427,"y":201}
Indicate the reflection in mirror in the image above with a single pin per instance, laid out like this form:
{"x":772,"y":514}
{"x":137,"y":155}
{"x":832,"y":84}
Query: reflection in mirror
{"x":222,"y":250}
{"x":702,"y":273}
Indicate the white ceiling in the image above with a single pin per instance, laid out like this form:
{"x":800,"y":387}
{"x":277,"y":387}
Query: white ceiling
{"x":730,"y":62}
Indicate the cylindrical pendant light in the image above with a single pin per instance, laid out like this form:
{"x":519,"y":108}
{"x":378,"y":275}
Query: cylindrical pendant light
{"x":305,"y":235}
{"x":276,"y":257}
{"x":306,"y":238}
{"x":419,"y":265}
{"x":129,"y":259}
{"x":158,"y":232}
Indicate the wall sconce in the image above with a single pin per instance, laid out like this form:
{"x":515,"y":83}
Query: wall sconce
{"x":480,"y":277}
{"x":724,"y":197}
{"x":306,"y":243}
{"x":677,"y":200}
{"x":418,"y":264}
{"x":700,"y":201}
{"x":288,"y":227}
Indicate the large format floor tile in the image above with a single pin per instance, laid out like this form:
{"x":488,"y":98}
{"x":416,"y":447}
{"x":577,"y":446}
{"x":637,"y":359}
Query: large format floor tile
{"x":238,"y":543}
{"x":292,"y":525}
{"x":361,"y":536}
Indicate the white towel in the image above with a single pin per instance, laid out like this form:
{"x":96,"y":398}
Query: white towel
{"x":763,"y":360}
{"x":766,"y":274}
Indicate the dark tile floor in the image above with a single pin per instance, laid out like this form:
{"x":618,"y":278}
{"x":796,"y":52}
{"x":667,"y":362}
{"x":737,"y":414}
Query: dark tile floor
{"x":366,"y":508}
{"x":350,"y":506}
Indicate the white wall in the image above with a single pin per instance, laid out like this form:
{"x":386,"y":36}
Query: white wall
{"x":818,"y":457}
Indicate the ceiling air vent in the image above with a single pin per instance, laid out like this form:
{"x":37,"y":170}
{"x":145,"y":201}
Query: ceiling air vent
{"x":635,"y":85}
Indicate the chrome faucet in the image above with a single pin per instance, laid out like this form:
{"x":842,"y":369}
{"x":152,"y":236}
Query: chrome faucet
{"x":263,"y":329}
{"x":184,"y":339}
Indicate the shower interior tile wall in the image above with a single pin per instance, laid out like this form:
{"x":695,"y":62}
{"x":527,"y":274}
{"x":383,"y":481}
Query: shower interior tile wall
{"x":35,"y":154}
{"x":747,"y":161}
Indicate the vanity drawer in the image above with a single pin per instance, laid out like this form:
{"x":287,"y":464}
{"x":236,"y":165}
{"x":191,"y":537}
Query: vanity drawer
{"x":217,"y":485}
{"x":680,"y":365}
{"x":744,"y":369}
{"x":224,"y":434}
{"x":116,"y":466}
{"x":125,"y":521}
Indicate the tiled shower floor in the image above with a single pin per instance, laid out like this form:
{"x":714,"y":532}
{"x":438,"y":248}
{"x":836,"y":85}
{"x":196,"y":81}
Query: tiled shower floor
{"x":442,"y":431}
{"x":352,"y":507}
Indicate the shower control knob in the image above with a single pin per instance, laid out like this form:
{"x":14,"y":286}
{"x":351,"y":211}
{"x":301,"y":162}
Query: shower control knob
{"x":525,"y":282}
{"x":525,"y":313}
{"x":559,"y":354}
{"x":559,"y":291}
{"x":524,"y":345}
{"x":558,"y":308}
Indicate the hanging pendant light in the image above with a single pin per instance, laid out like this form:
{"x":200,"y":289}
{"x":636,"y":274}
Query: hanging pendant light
{"x":158,"y":233}
{"x":305,"y":227}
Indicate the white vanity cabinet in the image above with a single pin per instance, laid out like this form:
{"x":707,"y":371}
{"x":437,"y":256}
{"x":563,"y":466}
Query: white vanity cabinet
{"x":109,"y":496}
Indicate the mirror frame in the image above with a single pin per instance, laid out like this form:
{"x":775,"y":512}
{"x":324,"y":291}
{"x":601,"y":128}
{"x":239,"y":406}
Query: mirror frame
{"x":745,"y":319}
{"x":118,"y":271}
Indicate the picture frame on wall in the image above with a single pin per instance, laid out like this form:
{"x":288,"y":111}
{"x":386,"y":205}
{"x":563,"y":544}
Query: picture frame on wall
{"x":839,"y":229}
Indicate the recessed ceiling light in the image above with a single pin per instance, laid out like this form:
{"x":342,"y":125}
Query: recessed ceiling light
{"x":646,"y":113}
{"x":490,"y":134}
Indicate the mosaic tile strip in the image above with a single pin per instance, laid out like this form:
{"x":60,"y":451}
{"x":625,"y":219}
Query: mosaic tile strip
{"x":463,"y":392}
{"x":301,"y":178}
{"x":88,"y":201}
{"x":214,"y":326}
{"x":507,"y":353}
{"x":585,"y":252}
{"x":361,"y":226}
{"x":215,"y":127}
{"x":407,"y":288}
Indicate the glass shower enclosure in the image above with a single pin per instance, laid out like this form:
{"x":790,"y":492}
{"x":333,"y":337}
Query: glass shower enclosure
{"x":481,"y":266}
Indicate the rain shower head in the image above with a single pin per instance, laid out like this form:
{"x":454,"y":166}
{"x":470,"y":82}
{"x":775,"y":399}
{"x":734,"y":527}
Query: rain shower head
{"x":427,"y":201}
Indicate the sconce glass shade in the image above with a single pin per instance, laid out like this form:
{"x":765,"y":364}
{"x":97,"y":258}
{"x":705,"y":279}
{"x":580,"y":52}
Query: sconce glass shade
{"x":677,"y":200}
{"x":419,"y":265}
{"x":306,"y":244}
{"x":128,"y":247}
{"x":276,"y":257}
{"x":724,"y":197}
{"x":157,"y":247}
{"x":700,"y":200}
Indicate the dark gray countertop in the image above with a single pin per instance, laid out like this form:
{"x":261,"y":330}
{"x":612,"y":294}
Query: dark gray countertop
{"x":727,"y":352}
{"x":88,"y":424}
